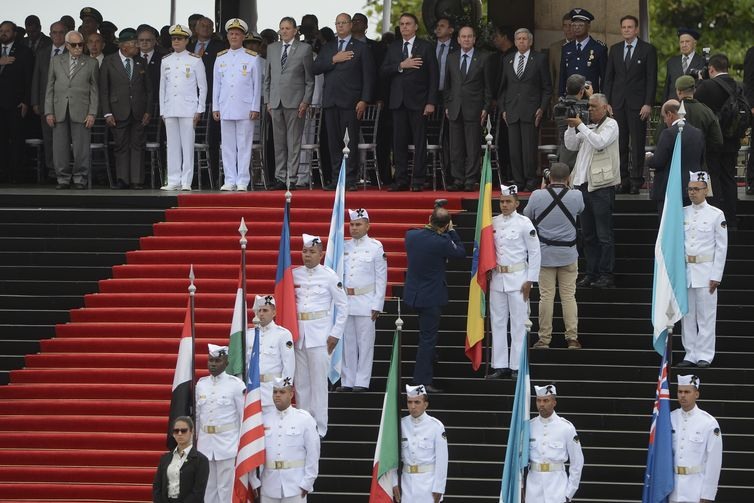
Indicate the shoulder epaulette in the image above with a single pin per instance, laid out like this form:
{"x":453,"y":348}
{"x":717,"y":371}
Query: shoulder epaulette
{"x":249,"y":51}
{"x":195,"y":55}
{"x":222,"y":52}
{"x":168,"y":55}
{"x":600,"y":42}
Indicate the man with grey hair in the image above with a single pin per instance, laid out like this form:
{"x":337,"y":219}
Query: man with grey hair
{"x":524,"y":94}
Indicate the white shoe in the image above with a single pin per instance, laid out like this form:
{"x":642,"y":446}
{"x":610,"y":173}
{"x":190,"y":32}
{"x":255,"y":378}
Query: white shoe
{"x":186,"y":188}
{"x":228,"y":187}
{"x":170,"y":187}
{"x":241,"y":188}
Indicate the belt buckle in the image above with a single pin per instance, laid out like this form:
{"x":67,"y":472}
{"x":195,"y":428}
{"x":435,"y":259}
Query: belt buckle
{"x":692,"y":259}
{"x":211,"y":429}
{"x":304,"y":316}
{"x":279,"y":465}
{"x":544,"y":467}
{"x":413,"y":468}
{"x":350,"y":291}
{"x":682,"y":470}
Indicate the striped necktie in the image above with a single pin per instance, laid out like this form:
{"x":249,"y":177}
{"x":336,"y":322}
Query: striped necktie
{"x":284,"y":59}
{"x":71,"y":67}
{"x":520,"y":69}
{"x":129,"y":70}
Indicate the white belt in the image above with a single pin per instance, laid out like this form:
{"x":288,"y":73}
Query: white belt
{"x":688,"y":470}
{"x":546,"y":467}
{"x":269,"y":377}
{"x":360,"y":291}
{"x":418,"y":468}
{"x":313,"y":315}
{"x":285,"y":465}
{"x":699,"y":259}
{"x":212,"y":429}
{"x":511,"y":267}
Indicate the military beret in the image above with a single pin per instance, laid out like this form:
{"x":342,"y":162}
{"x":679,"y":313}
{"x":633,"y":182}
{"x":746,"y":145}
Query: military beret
{"x":689,"y":31}
{"x":685,"y":83}
{"x":108,"y":25}
{"x":126,"y":35}
{"x":90,"y":12}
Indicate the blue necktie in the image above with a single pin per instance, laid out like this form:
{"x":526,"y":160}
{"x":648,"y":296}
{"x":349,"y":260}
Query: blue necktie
{"x":405,"y":50}
{"x":285,"y":56}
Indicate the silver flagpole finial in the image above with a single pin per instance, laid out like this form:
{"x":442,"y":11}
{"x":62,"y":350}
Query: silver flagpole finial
{"x":346,"y":139}
{"x":488,"y":136}
{"x":192,"y":286}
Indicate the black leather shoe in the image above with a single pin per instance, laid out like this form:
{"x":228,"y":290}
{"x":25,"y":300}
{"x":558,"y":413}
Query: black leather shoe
{"x":585,"y":282}
{"x":343,"y":389}
{"x":78,"y":186}
{"x":685,"y":364}
{"x":498,"y":373}
{"x":120,"y":185}
{"x":360,"y":389}
{"x":278,"y":186}
{"x":514,"y":375}
{"x":604,"y":282}
{"x":397,"y":188}
{"x":432,"y":389}
{"x":702,"y":364}
{"x":329,"y":187}
{"x":456,"y":187}
{"x":352,"y":188}
{"x":416,"y":188}
{"x":62,"y":186}
{"x":469,"y":188}
{"x":633,"y":190}
{"x":137,"y":186}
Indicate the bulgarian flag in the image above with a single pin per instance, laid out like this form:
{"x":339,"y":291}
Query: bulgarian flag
{"x":235,"y":348}
{"x":483,"y":261}
{"x":387,"y":453}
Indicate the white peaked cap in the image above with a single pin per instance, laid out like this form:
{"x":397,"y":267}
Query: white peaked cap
{"x":545,"y":390}
{"x":508,"y":191}
{"x":310,"y":240}
{"x":698,"y":176}
{"x":415,"y":390}
{"x":263,"y":300}
{"x":689,"y":380}
{"x":215,"y":351}
{"x":358,"y":213}
{"x":282,"y":382}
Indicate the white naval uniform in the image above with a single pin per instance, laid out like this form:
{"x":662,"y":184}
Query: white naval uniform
{"x":236,"y":91}
{"x":183,"y":93}
{"x":516,"y":246}
{"x":318,"y":291}
{"x":219,"y":413}
{"x":424,"y":453}
{"x":553,"y":441}
{"x":276,"y":357}
{"x":292,"y":456}
{"x":707,"y":241}
{"x":697,"y":450}
{"x":365,"y":280}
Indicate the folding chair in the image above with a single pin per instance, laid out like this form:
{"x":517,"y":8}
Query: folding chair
{"x":368,"y":143}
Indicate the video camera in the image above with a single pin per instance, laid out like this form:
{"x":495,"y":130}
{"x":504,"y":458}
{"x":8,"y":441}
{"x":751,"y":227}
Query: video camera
{"x":575,"y":108}
{"x":702,"y":73}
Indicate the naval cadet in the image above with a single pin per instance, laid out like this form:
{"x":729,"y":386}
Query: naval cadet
{"x":518,"y":261}
{"x":322,"y":308}
{"x":706,"y":244}
{"x":183,"y":92}
{"x":276,"y":357}
{"x":365,"y":278}
{"x":697,"y":447}
{"x":236,"y":91}
{"x":424,"y":452}
{"x":219,"y":414}
{"x":584,"y":55}
{"x":552,"y":441}
{"x":292,"y":450}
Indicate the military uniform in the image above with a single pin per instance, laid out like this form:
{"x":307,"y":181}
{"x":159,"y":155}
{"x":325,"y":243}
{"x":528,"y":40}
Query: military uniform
{"x":706,"y":248}
{"x":219,"y":414}
{"x":424,"y":453}
{"x":236,"y":92}
{"x":183,"y":93}
{"x":318,"y":291}
{"x":518,"y":259}
{"x":365,"y":266}
{"x":697,"y":455}
{"x":590,"y":61}
{"x":276,"y":357}
{"x":552,"y":442}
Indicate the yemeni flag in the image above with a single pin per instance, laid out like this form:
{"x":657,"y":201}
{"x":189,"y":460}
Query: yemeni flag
{"x":285,"y":294}
{"x":235,"y":348}
{"x":483,"y":261}
{"x":387,"y":453}
{"x":182,"y":400}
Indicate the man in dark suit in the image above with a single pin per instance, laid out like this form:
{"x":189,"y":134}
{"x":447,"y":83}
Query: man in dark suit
{"x":349,"y":71}
{"x":502,"y":39}
{"x":713,"y":92}
{"x":126,"y":101}
{"x":35,"y":39}
{"x":411,"y":66}
{"x":524,"y":94}
{"x":16,"y":65}
{"x":749,"y":92}
{"x":692,"y":154}
{"x":630,"y":86}
{"x":39,"y":87}
{"x":467,"y":101}
{"x":584,"y":55}
{"x":683,"y":63}
{"x":152,"y":54}
{"x":426,"y":289}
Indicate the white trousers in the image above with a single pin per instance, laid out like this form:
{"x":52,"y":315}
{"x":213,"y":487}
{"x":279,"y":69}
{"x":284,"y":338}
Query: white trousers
{"x":310,"y":383}
{"x":505,"y":306}
{"x":180,"y":133}
{"x":698,"y":325}
{"x":358,"y":351}
{"x":291,"y":499}
{"x":238,"y":137}
{"x":220,"y":481}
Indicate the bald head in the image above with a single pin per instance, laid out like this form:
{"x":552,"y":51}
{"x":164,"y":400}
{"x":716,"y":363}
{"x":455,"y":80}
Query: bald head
{"x":440,"y":218}
{"x":670,"y":112}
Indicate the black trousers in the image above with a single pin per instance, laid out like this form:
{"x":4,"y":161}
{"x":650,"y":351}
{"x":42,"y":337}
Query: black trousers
{"x":465,"y":150}
{"x":633,"y":132}
{"x":409,"y":127}
{"x":11,"y":144}
{"x":337,"y":120}
{"x":722,"y":168}
{"x":129,"y":139}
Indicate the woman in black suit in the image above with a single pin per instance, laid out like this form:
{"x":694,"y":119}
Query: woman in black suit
{"x":182,"y":473}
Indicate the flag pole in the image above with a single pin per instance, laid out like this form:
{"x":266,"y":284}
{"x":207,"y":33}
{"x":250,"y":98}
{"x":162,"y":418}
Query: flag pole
{"x":242,"y":229}
{"x":399,"y":332}
{"x":192,"y":300}
{"x":487,"y":328}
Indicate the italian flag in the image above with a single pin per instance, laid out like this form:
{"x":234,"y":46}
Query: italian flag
{"x":235,"y":348}
{"x":387,"y":452}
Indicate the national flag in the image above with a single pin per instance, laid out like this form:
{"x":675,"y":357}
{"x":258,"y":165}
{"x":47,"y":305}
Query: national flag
{"x":483,"y":261}
{"x":334,"y":259}
{"x":669,"y":294}
{"x":517,"y":449}
{"x":251,"y":453}
{"x":386,"y":453}
{"x":182,"y":398}
{"x":658,"y":478}
{"x":285,"y":294}
{"x":235,"y":347}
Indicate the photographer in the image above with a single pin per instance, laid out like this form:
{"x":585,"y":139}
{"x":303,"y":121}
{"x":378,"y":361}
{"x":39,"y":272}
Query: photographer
{"x":574,"y":104}
{"x":553,"y":211}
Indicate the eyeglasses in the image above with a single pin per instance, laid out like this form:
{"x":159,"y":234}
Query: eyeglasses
{"x":75,"y":44}
{"x":695,"y":189}
{"x":176,"y":431}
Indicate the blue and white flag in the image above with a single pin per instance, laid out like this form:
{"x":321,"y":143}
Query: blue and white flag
{"x":334,"y":259}
{"x":669,"y":294}
{"x":517,"y":449}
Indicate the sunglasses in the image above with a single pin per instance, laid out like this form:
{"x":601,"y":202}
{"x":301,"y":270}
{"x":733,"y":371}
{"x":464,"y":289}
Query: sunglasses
{"x":75,"y":44}
{"x":176,"y":431}
{"x":177,"y":38}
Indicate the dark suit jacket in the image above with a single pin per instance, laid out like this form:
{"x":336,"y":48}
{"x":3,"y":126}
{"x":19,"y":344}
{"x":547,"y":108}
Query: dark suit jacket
{"x":636,"y":86}
{"x":412,"y":88}
{"x":427,"y":252}
{"x":675,"y":70}
{"x":467,"y":95}
{"x":749,"y":76}
{"x":349,"y":82}
{"x":520,"y":98}
{"x":120,"y":96}
{"x":153,"y":69}
{"x":194,"y":474}
{"x":714,"y":95}
{"x":39,"y":77}
{"x":208,"y":58}
{"x":44,"y":42}
{"x":692,"y":158}
{"x":15,"y":78}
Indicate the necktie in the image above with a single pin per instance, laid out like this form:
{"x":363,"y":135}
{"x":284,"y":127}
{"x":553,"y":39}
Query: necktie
{"x":201,"y":49}
{"x":128,"y":68}
{"x":685,"y":63}
{"x":405,"y":50}
{"x":146,"y":57}
{"x":465,"y":64}
{"x":520,"y":69}
{"x":285,"y":55}
{"x":71,"y":67}
{"x":5,"y":50}
{"x":57,"y":51}
{"x":440,"y":54}
{"x":340,"y":45}
{"x":578,"y":48}
{"x":627,"y":61}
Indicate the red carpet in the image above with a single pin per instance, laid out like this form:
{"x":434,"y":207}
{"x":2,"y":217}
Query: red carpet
{"x":85,"y":420}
